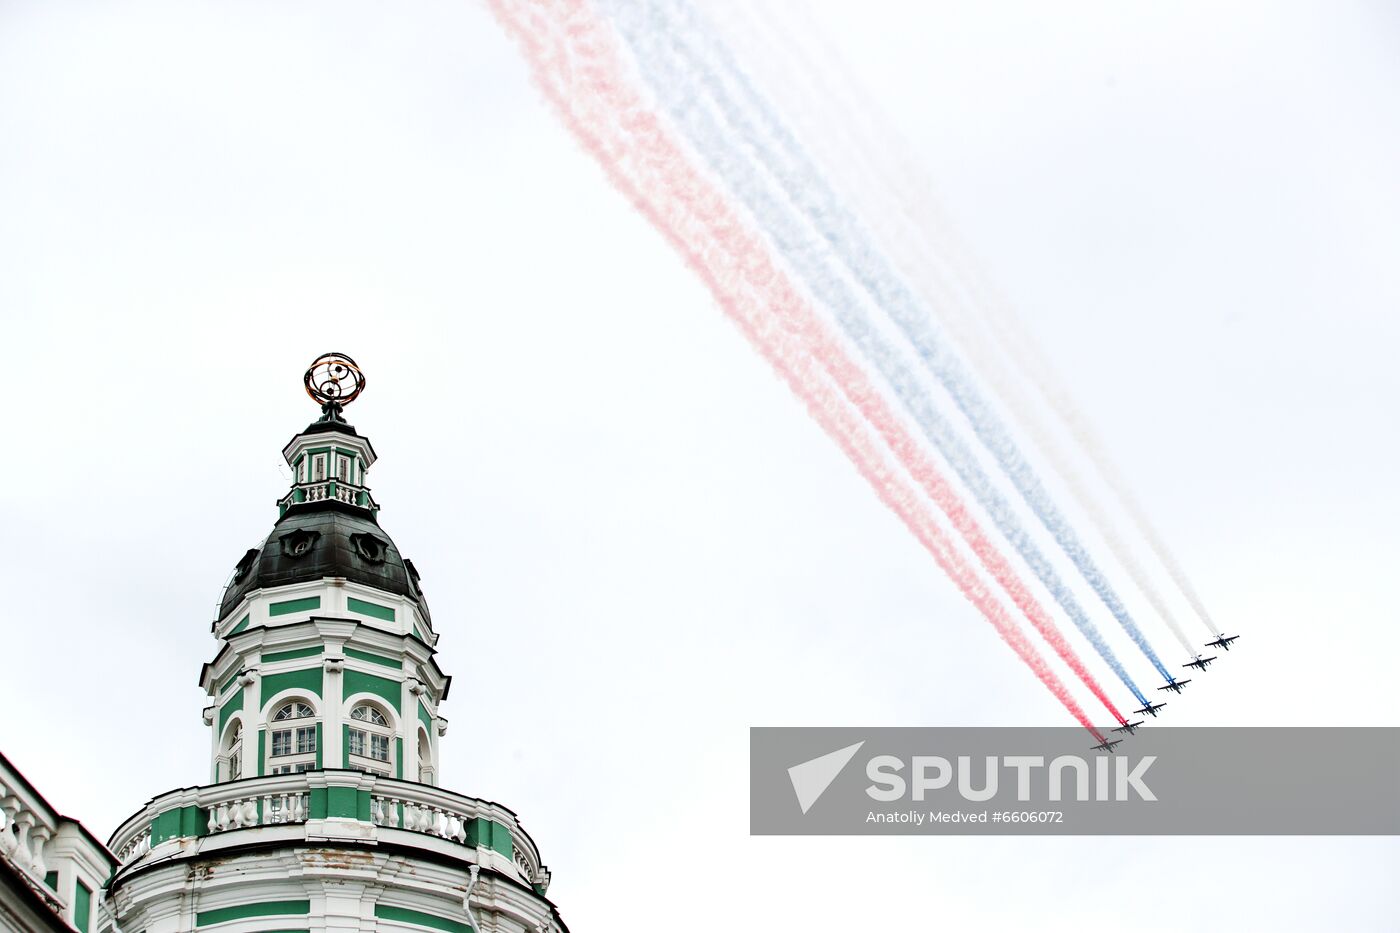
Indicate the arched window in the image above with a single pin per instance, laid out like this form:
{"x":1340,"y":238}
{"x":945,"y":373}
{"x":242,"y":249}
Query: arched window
{"x":370,"y":736}
{"x":425,"y":759}
{"x":293,"y":738}
{"x":233,"y":752}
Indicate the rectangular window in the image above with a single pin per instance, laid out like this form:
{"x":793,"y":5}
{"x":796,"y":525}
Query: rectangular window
{"x":281,"y":742}
{"x":344,"y":467}
{"x":357,"y":742}
{"x":82,"y":907}
{"x":318,"y":467}
{"x":235,"y":765}
{"x":379,"y":747}
{"x":306,"y":740}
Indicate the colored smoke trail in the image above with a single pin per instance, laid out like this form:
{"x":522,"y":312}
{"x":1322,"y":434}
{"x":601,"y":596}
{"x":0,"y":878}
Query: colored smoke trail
{"x":577,"y":68}
{"x":808,"y":189}
{"x":795,"y":241}
{"x":912,"y":227}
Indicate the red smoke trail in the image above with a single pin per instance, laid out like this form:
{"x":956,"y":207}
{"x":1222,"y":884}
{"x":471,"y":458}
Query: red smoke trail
{"x":576,"y":66}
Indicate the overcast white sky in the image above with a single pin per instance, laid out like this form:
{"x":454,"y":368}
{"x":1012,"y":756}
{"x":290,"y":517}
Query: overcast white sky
{"x":634,"y":542}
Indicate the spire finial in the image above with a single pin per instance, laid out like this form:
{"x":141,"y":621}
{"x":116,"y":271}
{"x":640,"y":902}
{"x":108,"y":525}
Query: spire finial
{"x":335,"y":381}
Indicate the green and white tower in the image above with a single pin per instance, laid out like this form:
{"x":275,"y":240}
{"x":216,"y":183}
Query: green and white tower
{"x":324,"y":810}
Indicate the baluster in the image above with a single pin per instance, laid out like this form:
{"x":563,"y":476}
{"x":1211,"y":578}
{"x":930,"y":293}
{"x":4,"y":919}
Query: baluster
{"x":39,"y":836}
{"x":23,"y":820}
{"x":9,"y":806}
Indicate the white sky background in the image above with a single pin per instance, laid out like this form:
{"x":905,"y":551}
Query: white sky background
{"x":635,"y":543}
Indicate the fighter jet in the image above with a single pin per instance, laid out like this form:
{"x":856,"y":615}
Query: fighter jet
{"x":1174,"y":685}
{"x":1150,"y":709}
{"x":1222,"y":642}
{"x":1200,"y":663}
{"x":1107,"y":746}
{"x":1128,"y":728}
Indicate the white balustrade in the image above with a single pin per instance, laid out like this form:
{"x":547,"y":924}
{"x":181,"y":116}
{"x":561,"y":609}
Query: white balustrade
{"x":23,"y":832}
{"x":321,"y":490}
{"x":280,"y":800}
{"x":258,"y":810}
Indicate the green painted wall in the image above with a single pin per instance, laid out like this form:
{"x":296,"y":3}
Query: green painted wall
{"x":179,"y":823}
{"x":309,"y":679}
{"x":425,"y":717}
{"x":371,"y":658}
{"x":228,"y":683}
{"x":293,"y":653}
{"x":243,"y":911}
{"x":418,"y":918}
{"x":370,"y":609}
{"x":398,"y":751}
{"x":233,"y":705}
{"x":359,"y":682}
{"x":51,"y":879}
{"x":493,"y":835}
{"x":82,"y":908}
{"x":294,"y":605}
{"x":242,"y":624}
{"x":349,"y":803}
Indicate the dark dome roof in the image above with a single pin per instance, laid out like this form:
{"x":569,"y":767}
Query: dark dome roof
{"x":326,"y":539}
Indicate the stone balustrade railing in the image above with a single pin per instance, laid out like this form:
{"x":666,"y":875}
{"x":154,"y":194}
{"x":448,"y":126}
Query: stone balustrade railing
{"x":330,"y":798}
{"x":24,"y":828}
{"x":59,"y":860}
{"x":322,"y":490}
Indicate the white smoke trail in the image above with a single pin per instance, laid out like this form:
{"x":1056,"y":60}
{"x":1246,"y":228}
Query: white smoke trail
{"x":771,"y":143}
{"x":885,"y":174}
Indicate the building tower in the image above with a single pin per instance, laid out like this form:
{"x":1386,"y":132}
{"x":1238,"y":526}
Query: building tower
{"x":323,"y":810}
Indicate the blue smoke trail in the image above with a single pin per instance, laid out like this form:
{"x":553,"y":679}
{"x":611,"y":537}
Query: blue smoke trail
{"x":806,"y":254}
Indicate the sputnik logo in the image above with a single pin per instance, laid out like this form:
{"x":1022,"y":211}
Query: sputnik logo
{"x":811,"y":778}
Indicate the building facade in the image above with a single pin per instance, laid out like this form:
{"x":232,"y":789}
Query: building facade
{"x":51,"y":869}
{"x":324,"y":810}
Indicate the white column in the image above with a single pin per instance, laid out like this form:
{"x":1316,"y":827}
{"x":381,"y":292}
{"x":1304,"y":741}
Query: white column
{"x":333,"y":696}
{"x":251,"y":682}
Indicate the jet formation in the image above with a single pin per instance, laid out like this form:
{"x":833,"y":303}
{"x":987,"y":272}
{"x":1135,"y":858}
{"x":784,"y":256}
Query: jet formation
{"x":1200,"y":663}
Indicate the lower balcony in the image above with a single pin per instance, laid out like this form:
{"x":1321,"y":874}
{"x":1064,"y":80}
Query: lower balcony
{"x":318,"y":807}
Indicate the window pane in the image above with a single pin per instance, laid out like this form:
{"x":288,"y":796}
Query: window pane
{"x":357,"y":742}
{"x":379,"y":747}
{"x":306,"y":740}
{"x":282,"y":742}
{"x":369,"y":714}
{"x":296,"y":710}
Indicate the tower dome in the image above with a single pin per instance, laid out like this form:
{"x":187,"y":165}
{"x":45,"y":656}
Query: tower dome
{"x":328,"y":524}
{"x":324,"y":809}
